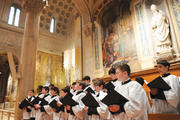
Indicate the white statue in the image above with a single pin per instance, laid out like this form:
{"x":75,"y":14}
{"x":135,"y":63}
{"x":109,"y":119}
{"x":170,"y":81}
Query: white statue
{"x":160,"y":28}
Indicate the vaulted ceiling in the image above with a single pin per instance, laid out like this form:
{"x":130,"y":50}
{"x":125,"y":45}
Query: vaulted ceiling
{"x":63,"y":11}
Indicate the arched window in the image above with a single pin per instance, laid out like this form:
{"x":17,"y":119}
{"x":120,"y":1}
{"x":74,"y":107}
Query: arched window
{"x":52,"y":25}
{"x":14,"y":15}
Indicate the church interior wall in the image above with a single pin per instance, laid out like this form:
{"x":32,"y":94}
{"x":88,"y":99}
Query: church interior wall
{"x":144,"y":43}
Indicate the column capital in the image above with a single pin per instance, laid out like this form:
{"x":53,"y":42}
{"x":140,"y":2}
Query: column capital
{"x":33,"y":5}
{"x":88,"y":28}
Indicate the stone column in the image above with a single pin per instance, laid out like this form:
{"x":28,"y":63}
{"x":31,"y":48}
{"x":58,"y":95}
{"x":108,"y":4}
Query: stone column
{"x":88,"y":49}
{"x":28,"y":50}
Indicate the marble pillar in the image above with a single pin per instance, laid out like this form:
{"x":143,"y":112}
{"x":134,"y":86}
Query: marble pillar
{"x":28,"y":50}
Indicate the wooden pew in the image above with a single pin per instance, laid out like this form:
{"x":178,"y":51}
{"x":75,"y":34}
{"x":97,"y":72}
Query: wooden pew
{"x":163,"y":116}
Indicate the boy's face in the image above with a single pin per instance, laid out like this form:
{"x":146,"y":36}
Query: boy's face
{"x":113,"y":76}
{"x":63,"y":93}
{"x":97,"y":88}
{"x":30,"y":93}
{"x":78,"y":87}
{"x":52,"y":92}
{"x":86,"y":82}
{"x":162,"y":69}
{"x":44,"y":91}
{"x":73,"y":87}
{"x":120,"y":75}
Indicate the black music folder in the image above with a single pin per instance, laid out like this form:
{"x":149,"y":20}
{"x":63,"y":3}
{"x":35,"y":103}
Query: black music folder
{"x":90,"y":90}
{"x":36,"y":100}
{"x":24,"y":104}
{"x":114,"y":98}
{"x":67,"y":100}
{"x":90,"y":101}
{"x":159,"y":83}
{"x":109,"y":86}
{"x":53,"y":104}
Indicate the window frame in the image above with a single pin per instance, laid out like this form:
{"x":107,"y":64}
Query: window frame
{"x":54,"y":26}
{"x":16,"y":7}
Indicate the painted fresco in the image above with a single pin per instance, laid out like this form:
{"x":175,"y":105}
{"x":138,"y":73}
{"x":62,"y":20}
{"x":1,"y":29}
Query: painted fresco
{"x":118,"y":35}
{"x":49,"y":70}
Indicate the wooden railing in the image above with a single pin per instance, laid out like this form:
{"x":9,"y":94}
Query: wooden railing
{"x":164,"y":117}
{"x":6,"y":115}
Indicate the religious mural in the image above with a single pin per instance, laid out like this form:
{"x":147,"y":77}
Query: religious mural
{"x":49,"y":69}
{"x":118,"y":35}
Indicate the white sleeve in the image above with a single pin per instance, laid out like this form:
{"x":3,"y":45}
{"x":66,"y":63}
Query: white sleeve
{"x":79,"y":109}
{"x":136,"y":106}
{"x":173,"y":93}
{"x":47,"y":108}
{"x":103,"y":111}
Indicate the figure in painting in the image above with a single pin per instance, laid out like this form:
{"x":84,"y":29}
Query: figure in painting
{"x":160,"y":28}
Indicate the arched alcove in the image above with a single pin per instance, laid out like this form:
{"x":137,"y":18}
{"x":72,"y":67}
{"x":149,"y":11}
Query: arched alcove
{"x":8,"y":83}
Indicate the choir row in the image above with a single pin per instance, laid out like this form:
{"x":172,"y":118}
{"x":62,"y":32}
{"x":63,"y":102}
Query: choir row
{"x":119,"y":99}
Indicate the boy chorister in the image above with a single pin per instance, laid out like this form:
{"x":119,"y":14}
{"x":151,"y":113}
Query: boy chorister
{"x":73,"y":91}
{"x":170,"y":102}
{"x":77,"y":112}
{"x":112,"y":73}
{"x":88,"y":86}
{"x":101,"y":112}
{"x":33,"y":111}
{"x":26,"y":105}
{"x":58,"y":112}
{"x":42,"y":115}
{"x":135,"y":108}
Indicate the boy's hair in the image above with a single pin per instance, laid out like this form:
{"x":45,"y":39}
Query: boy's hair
{"x":46,"y":88}
{"x":86,"y":78}
{"x":32,"y":90}
{"x":124,"y":67}
{"x":55,"y":89}
{"x":164,"y":63}
{"x":74,"y":83}
{"x":98,"y":82}
{"x":140,"y":80}
{"x":66,"y":89}
{"x":40,"y":87}
{"x":112,"y":71}
{"x":81,"y":83}
{"x":51,"y":85}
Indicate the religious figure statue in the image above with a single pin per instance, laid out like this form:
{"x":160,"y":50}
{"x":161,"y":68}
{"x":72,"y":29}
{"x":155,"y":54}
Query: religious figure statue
{"x":160,"y":28}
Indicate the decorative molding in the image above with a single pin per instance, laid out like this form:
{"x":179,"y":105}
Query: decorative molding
{"x":87,"y":29}
{"x":33,"y":5}
{"x":12,"y":28}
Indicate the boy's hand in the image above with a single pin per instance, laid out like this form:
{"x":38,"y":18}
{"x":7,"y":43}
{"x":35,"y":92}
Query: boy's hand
{"x":37,"y":106}
{"x":114,"y":108}
{"x":68,"y":107}
{"x":86,"y":108}
{"x":154,"y":91}
{"x":58,"y":104}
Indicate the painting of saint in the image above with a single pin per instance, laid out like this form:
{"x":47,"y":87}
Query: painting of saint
{"x":118,"y":36}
